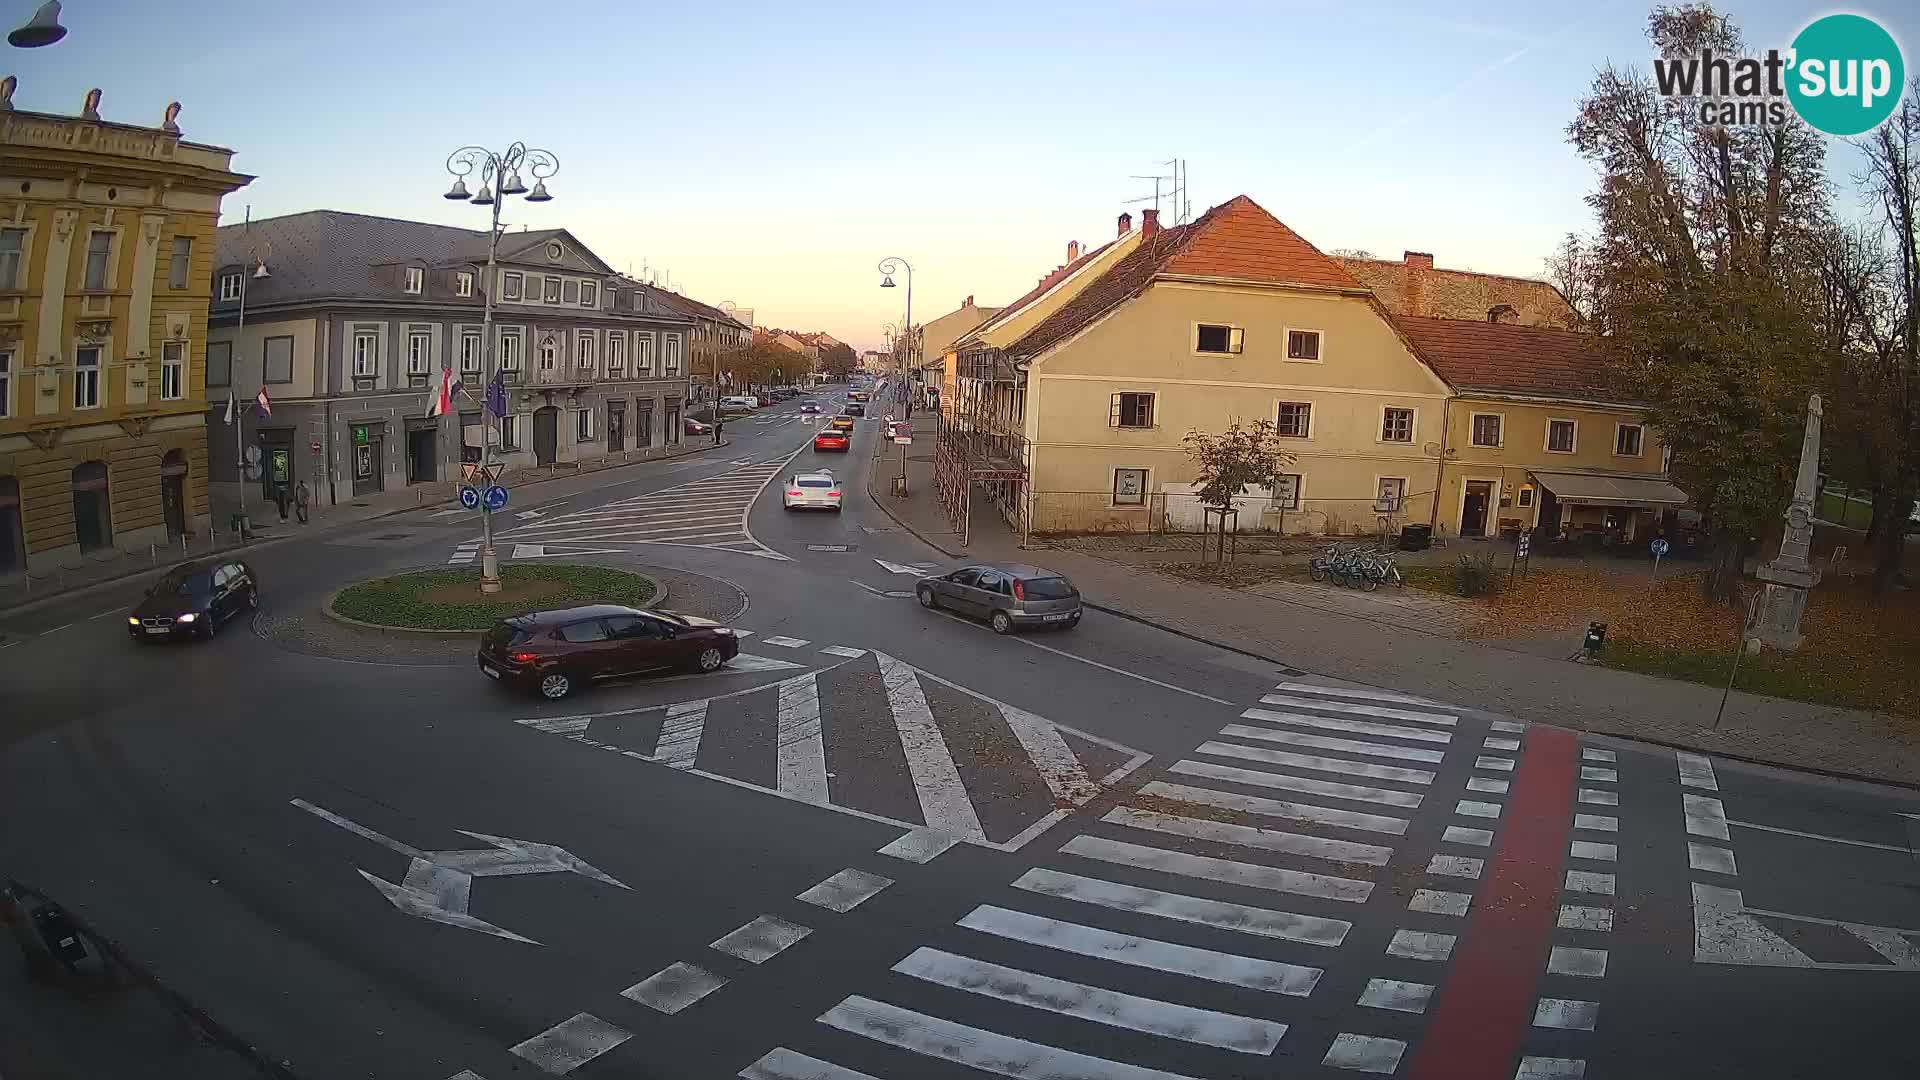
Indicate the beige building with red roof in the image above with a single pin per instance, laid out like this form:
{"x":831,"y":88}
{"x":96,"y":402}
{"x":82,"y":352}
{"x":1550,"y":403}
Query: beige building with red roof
{"x":1414,"y":286}
{"x":1073,"y":402}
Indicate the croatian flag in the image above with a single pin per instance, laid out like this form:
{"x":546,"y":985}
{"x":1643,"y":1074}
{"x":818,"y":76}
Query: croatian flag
{"x":261,"y":403}
{"x":449,"y":386}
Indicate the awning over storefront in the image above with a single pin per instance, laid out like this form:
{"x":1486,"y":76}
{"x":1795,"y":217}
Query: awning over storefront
{"x":1593,"y":490}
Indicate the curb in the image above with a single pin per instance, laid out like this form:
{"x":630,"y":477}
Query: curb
{"x":160,"y":568}
{"x":1832,"y":774}
{"x":326,"y":608}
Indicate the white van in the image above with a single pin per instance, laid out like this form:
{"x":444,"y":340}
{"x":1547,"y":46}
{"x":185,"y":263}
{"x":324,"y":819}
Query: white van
{"x":740,"y":402}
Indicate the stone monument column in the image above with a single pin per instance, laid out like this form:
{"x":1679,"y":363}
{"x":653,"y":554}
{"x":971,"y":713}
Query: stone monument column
{"x":1791,"y":574}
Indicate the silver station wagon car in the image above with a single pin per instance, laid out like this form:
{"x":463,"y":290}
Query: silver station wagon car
{"x":1009,"y":596}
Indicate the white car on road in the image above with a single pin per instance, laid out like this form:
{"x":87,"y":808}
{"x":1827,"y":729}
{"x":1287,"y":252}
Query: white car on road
{"x":812,"y":491}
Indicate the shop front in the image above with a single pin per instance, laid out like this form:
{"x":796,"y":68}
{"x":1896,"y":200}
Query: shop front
{"x":1597,"y":510}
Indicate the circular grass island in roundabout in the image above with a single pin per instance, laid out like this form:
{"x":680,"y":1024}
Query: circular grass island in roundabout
{"x":449,"y":600}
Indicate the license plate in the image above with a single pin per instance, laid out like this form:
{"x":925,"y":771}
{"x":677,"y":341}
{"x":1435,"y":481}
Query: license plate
{"x":156,"y":629}
{"x":1055,"y":618}
{"x":491,"y":674}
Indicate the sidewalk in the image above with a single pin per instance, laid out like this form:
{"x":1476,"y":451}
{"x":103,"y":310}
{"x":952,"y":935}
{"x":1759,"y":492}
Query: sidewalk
{"x":1270,"y":624}
{"x":19,"y":590}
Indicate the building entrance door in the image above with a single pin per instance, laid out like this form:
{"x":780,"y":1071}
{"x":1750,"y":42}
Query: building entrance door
{"x":13,"y":543}
{"x":546,"y":435}
{"x":616,"y":426}
{"x":1473,"y":513}
{"x":173,"y":493}
{"x":423,"y":456}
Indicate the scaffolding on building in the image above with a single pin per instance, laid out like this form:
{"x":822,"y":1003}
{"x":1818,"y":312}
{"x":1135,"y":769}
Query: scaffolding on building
{"x":980,"y":443}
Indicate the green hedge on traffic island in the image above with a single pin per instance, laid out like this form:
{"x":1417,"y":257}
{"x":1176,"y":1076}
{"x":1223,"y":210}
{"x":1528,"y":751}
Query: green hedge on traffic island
{"x":450,"y":599}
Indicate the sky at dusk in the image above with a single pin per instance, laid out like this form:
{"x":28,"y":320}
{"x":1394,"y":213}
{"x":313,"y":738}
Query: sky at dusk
{"x":772,"y":154}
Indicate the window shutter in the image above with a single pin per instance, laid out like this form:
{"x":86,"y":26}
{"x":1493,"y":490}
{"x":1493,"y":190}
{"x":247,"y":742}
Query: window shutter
{"x":1236,"y":338}
{"x":1113,"y":413}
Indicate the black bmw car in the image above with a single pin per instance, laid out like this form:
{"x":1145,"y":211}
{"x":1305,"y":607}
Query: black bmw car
{"x":193,"y":599}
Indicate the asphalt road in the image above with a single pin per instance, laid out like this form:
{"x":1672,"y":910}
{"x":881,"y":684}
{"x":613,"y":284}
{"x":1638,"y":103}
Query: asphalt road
{"x":893,"y":844}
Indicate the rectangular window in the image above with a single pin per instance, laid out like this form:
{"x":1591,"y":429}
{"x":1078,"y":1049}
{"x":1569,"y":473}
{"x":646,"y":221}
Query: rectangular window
{"x":589,"y":294}
{"x":229,"y":287}
{"x":1396,"y":425}
{"x":277,"y":360}
{"x":1486,"y":429}
{"x":173,"y":370}
{"x":1129,"y":487}
{"x":1526,"y":495}
{"x":416,"y":279}
{"x":509,"y":433}
{"x":6,"y":385}
{"x":550,"y":290}
{"x":1390,"y":493}
{"x":1627,"y":439}
{"x":180,"y":262}
{"x":583,"y":425}
{"x":585,"y":352}
{"x":643,"y":354}
{"x":463,"y":284}
{"x":509,"y":351}
{"x":86,"y":377}
{"x":13,"y":256}
{"x":1218,"y":339}
{"x":1286,"y":493}
{"x":616,"y":354}
{"x":99,"y":258}
{"x":366,"y":355}
{"x":670,"y":356}
{"x":1131,"y":411}
{"x":510,"y":286}
{"x":470,"y":353}
{"x":419,"y":353}
{"x":1561,"y":436}
{"x":1295,"y":419}
{"x":219,"y":363}
{"x":1303,"y":345}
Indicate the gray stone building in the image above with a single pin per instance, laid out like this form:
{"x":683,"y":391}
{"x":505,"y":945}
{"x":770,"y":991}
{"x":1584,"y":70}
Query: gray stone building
{"x":355,"y":316}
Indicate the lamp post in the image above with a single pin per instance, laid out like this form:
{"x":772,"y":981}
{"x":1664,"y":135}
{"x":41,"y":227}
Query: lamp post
{"x":41,"y":30}
{"x":728,"y":308}
{"x":499,"y":178}
{"x":890,"y":266}
{"x":239,"y":413}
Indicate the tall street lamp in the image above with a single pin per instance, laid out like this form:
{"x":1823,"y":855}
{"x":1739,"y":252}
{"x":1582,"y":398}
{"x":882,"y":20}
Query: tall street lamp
{"x":41,"y":30}
{"x":728,"y":308}
{"x":239,"y":414}
{"x":499,"y":175}
{"x":888,"y":267}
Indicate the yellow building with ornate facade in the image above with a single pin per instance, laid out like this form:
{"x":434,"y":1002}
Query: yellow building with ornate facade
{"x":106,"y":249}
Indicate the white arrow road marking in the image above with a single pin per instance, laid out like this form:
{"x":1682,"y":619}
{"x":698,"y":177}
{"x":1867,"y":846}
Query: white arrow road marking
{"x":524,"y":514}
{"x":449,"y":513}
{"x":439,"y":884}
{"x":529,"y":551}
{"x":897,"y":568}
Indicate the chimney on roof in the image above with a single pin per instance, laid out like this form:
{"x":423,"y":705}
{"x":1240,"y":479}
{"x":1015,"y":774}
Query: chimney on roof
{"x":1419,"y":266}
{"x":969,"y":302}
{"x":1149,"y":223}
{"x":1126,"y":224}
{"x":1073,"y":250}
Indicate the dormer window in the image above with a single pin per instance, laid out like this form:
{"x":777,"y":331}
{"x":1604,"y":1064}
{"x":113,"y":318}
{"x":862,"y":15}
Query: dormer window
{"x":230,"y":286}
{"x":463,"y":283}
{"x":416,"y":279}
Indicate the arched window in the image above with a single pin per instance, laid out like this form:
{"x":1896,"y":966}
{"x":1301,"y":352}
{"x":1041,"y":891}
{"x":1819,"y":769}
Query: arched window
{"x":92,"y":507}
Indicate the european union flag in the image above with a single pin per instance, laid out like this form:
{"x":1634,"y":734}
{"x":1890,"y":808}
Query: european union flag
{"x":497,"y":394}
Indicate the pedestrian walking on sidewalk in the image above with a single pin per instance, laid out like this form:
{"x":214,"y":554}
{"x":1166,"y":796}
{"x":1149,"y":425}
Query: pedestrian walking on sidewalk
{"x":717,"y":425}
{"x":280,"y":498}
{"x":302,"y":501}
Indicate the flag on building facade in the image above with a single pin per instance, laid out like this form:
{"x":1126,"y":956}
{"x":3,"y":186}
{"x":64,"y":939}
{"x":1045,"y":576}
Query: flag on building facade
{"x":497,"y":394}
{"x":442,"y":394}
{"x":232,"y":403}
{"x":261,"y":403}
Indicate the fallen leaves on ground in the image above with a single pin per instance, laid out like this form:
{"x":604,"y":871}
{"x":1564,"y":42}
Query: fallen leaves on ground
{"x":1231,"y":575}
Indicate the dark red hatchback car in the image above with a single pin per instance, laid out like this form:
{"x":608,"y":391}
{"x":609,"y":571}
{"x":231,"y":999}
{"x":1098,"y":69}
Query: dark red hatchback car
{"x":554,"y":653}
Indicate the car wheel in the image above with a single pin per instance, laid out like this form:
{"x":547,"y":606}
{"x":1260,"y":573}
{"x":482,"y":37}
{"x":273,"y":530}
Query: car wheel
{"x":927,"y":599}
{"x":710,"y":659}
{"x":209,"y":626}
{"x":253,"y":600}
{"x":555,"y":685}
{"x":1001,"y":622}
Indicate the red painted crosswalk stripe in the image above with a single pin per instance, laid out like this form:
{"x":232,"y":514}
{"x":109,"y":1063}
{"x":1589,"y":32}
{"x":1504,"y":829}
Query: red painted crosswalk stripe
{"x":1486,"y":1004}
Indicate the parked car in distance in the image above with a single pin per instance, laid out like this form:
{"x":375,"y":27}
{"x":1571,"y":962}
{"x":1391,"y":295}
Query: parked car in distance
{"x":695,"y":427}
{"x":854,"y":408}
{"x":812,"y":491}
{"x":1008,"y":596}
{"x":193,"y":599}
{"x":832,"y":441}
{"x":808,"y":408}
{"x":554,"y":653}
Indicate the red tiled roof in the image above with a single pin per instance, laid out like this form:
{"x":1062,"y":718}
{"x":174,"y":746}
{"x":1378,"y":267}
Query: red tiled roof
{"x":1512,"y":359}
{"x":1047,"y":281}
{"x":1237,"y":240}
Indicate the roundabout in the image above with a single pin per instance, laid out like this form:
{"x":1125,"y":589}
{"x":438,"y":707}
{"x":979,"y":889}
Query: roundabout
{"x":449,"y":601}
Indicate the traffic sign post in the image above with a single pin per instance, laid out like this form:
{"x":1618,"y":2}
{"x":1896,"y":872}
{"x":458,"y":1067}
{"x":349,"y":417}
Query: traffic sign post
{"x":496,"y":498}
{"x":470,"y":497}
{"x":1660,"y":548}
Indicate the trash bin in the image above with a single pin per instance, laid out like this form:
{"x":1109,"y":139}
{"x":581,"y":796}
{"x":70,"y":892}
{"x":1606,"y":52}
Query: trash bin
{"x":1416,"y":537}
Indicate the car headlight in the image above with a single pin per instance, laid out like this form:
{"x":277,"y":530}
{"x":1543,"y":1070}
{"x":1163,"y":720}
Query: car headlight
{"x":188,"y":617}
{"x":133,"y":620}
{"x":728,"y":630}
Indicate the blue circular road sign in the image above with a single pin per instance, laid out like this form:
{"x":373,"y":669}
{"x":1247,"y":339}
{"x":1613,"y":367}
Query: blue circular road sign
{"x":496,"y":497}
{"x":470,"y":497}
{"x":1660,"y":546}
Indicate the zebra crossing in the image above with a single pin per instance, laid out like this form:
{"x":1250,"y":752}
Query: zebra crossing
{"x":873,"y":737}
{"x":1199,"y":927}
{"x":707,"y":513}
